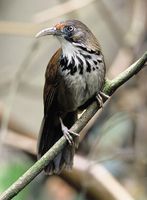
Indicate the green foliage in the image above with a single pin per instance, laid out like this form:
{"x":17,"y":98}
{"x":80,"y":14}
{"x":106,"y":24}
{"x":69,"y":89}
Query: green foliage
{"x":10,"y":172}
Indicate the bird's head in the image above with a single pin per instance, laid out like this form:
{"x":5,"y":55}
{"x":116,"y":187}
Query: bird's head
{"x":73,"y":32}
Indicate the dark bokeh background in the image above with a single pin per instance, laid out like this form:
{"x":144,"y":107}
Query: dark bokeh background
{"x":117,"y":138}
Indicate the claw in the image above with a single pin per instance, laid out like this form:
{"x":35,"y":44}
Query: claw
{"x":73,"y":133}
{"x":67,"y":133}
{"x":104,"y":95}
{"x":100,"y":100}
{"x":100,"y":96}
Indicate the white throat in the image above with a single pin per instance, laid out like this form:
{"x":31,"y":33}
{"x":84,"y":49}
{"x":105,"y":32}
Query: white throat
{"x":69,"y":50}
{"x":72,"y":51}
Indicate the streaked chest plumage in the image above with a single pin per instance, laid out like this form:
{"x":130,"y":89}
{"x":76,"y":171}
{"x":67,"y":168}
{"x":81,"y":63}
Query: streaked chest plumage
{"x":82,"y":74}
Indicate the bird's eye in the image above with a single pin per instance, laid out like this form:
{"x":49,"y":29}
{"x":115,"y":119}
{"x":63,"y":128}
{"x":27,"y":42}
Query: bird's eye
{"x":69,"y":28}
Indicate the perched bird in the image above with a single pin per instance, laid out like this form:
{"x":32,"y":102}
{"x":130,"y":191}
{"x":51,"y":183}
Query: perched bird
{"x":74,"y":77}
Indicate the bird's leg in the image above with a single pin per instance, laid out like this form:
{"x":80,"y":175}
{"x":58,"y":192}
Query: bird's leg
{"x":100,"y":97}
{"x":68,"y":133}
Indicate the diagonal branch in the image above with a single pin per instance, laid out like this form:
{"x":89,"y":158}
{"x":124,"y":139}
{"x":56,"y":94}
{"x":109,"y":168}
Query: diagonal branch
{"x":109,"y":88}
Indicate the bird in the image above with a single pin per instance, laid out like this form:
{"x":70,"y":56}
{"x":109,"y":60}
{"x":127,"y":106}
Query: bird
{"x":74,"y":78}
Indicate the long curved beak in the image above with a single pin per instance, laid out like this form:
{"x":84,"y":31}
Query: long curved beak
{"x":47,"y":31}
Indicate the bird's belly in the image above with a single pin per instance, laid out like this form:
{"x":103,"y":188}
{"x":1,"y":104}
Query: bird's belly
{"x":76,"y":89}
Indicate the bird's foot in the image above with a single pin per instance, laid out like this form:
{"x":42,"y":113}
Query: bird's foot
{"x":104,"y":95}
{"x":68,"y":133}
{"x":99,"y":100}
{"x":100,"y":96}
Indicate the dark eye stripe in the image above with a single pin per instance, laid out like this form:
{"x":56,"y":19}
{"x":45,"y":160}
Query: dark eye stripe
{"x":69,"y":39}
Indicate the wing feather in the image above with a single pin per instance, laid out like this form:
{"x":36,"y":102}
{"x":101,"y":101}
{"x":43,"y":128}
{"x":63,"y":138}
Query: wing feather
{"x":51,"y":81}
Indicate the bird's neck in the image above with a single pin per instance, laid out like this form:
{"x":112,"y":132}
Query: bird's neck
{"x":77,"y":56}
{"x":69,"y":50}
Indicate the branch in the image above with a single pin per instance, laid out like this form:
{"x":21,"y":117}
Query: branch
{"x":109,"y":88}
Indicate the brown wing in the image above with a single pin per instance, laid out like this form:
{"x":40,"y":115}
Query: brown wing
{"x":51,"y":80}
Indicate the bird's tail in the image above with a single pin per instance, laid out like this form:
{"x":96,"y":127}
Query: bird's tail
{"x":50,"y":133}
